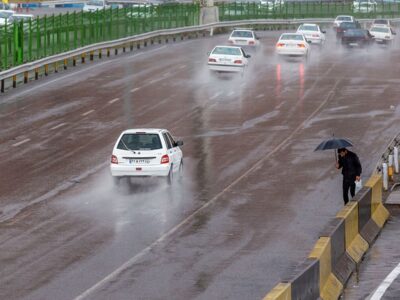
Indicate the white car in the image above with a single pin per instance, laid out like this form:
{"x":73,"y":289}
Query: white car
{"x":364,"y":6}
{"x":342,"y":18}
{"x":243,"y":37}
{"x":271,"y":4}
{"x":382,"y":34}
{"x":227,"y":59}
{"x":146,"y":153}
{"x":6,"y":17}
{"x":313,"y":33}
{"x":93,"y":5}
{"x":382,"y":22}
{"x":292,"y":44}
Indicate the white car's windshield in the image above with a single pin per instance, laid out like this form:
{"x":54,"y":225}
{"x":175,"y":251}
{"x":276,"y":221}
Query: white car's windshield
{"x":343,"y":18}
{"x":296,"y":37}
{"x":380,"y":29}
{"x":96,"y":3}
{"x":241,"y":33}
{"x":308,"y":27}
{"x":227,"y":51}
{"x":5,"y":14}
{"x":140,"y":141}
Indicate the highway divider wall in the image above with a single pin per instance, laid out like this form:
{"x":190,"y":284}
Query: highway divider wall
{"x":339,"y":249}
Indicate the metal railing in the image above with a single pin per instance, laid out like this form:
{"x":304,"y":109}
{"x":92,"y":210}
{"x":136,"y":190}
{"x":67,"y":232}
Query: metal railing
{"x":33,"y":39}
{"x":293,"y":10}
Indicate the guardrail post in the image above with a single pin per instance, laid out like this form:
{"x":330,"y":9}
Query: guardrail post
{"x":46,"y":70}
{"x":91,"y":55}
{"x":108,"y":52}
{"x":74,"y":61}
{"x":83,"y":56}
{"x":396,"y":159}
{"x":65,"y":64}
{"x":116,"y":51}
{"x":26,"y":77}
{"x":385,"y":176}
{"x":2,"y":85}
{"x":131,"y":47}
{"x":390,"y":167}
{"x":100,"y":53}
{"x":14,"y":79}
{"x":36,"y":73}
{"x":55,"y":67}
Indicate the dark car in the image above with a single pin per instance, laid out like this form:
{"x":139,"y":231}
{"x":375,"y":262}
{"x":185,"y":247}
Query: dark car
{"x":357,"y":38}
{"x":345,"y":26}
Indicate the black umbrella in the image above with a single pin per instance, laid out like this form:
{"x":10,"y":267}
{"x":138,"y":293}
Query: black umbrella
{"x":333,"y":144}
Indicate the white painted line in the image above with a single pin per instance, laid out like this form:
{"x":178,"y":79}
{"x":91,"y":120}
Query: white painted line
{"x":135,"y":89}
{"x":167,"y":74}
{"x":87,"y":113}
{"x":380,"y":291}
{"x":58,"y":126}
{"x":113,"y":100}
{"x":84,"y":70}
{"x":21,"y":142}
{"x":231,"y":94}
{"x":182,"y":67}
{"x":216,"y":95}
{"x":129,"y":263}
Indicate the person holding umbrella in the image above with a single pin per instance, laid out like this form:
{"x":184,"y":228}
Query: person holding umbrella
{"x":351,"y":169}
{"x":348,"y":161}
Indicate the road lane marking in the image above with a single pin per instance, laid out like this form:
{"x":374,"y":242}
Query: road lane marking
{"x":87,"y":113}
{"x":86,"y":69}
{"x":21,"y":142}
{"x":129,"y":263}
{"x":135,"y":89}
{"x":216,"y":95}
{"x":386,"y":283}
{"x":58,"y":126}
{"x":113,"y":100}
{"x":182,"y":67}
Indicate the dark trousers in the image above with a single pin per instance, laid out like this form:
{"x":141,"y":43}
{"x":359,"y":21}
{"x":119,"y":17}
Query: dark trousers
{"x":346,"y":186}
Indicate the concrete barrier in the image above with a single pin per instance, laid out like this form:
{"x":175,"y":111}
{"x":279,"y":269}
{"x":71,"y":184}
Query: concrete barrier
{"x":341,"y":246}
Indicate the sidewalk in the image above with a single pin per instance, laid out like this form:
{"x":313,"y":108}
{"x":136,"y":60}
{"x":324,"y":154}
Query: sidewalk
{"x":381,"y":260}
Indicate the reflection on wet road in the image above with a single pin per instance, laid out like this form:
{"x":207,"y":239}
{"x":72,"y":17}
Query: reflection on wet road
{"x":254,"y":196}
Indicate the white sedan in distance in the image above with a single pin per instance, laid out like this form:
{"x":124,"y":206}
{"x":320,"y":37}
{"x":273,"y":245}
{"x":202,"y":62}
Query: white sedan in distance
{"x":342,"y":18}
{"x":146,"y":153}
{"x":292,"y":44}
{"x":313,"y":33}
{"x":243,"y":37}
{"x":382,"y":34}
{"x":227,"y":59}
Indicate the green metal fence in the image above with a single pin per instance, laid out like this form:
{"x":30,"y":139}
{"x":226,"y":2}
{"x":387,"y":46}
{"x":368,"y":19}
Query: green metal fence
{"x":290,"y":10}
{"x":30,"y":40}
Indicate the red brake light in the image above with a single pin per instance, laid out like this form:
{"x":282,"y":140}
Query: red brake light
{"x":301,"y":45}
{"x":280,"y":45}
{"x":251,"y":42}
{"x":165,"y":159}
{"x":238,"y":61}
{"x":212,"y":60}
{"x":114,"y":159}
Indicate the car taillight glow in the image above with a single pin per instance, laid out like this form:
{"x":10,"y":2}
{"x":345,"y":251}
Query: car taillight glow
{"x":301,"y":45}
{"x":114,"y":159}
{"x":212,"y":60}
{"x":165,"y":159}
{"x":251,"y":42}
{"x":280,"y":45}
{"x":238,"y":61}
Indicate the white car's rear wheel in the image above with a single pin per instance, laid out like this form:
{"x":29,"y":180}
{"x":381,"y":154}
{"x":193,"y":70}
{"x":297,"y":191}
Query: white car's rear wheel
{"x":170,"y":177}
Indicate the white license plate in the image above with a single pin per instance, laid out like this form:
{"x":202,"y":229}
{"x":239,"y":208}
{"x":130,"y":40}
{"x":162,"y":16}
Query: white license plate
{"x":353,"y":44}
{"x":378,"y":40}
{"x":139,"y":161}
{"x":225,"y":60}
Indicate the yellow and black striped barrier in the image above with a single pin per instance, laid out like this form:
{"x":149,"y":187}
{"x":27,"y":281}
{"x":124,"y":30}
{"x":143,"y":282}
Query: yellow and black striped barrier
{"x":339,"y":249}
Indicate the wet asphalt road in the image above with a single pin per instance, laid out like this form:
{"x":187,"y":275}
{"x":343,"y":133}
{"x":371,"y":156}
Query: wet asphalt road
{"x":254,"y":197}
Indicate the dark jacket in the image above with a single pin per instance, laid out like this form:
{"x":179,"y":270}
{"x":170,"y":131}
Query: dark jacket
{"x":351,"y":166}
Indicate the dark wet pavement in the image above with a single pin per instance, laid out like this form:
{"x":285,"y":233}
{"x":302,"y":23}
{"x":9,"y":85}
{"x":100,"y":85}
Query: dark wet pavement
{"x":254,"y":198}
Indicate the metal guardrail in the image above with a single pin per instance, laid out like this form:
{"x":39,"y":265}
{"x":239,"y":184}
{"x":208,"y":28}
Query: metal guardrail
{"x":141,"y":38}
